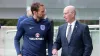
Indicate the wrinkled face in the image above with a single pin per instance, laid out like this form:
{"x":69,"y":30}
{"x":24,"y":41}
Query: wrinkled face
{"x":41,"y":12}
{"x":68,"y":15}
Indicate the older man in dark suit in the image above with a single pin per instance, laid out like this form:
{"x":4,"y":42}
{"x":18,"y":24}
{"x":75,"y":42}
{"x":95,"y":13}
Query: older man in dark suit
{"x":73,"y":37}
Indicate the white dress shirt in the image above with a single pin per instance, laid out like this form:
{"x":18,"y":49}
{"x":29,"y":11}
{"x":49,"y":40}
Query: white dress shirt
{"x":72,"y":27}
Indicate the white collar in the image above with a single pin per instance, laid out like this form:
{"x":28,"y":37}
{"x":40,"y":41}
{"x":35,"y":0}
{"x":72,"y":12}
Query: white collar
{"x":73,"y":23}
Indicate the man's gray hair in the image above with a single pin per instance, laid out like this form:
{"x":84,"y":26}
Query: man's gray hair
{"x":28,"y":8}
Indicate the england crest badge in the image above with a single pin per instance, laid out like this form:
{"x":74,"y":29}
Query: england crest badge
{"x":42,"y":27}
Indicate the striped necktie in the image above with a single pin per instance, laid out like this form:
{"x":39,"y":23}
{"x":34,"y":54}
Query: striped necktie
{"x":69,"y":33}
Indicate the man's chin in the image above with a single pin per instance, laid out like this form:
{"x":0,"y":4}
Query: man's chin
{"x":41,"y":17}
{"x":66,"y":20}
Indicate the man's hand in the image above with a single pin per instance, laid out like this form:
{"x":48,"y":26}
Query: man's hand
{"x":19,"y":54}
{"x":55,"y":52}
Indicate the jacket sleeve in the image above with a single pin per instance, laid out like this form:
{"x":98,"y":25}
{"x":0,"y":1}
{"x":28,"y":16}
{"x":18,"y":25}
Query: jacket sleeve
{"x":19,"y":21}
{"x":50,"y":38}
{"x":87,"y":42}
{"x":57,"y":43}
{"x":17,"y":38}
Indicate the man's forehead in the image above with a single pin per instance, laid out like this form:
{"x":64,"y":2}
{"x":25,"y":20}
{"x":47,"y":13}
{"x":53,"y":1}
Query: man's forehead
{"x":42,"y":8}
{"x":65,"y":10}
{"x":69,"y":8}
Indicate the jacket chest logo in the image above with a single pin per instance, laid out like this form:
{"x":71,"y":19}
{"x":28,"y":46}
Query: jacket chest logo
{"x":42,"y":27}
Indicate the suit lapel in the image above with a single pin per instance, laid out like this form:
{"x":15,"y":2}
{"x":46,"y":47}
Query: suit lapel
{"x":74,"y":31}
{"x":64,"y":30}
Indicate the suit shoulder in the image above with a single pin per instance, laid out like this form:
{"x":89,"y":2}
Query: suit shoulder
{"x":82,"y":25}
{"x":61,"y":26}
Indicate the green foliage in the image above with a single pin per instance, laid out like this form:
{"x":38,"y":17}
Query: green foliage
{"x":2,"y":21}
{"x":13,"y":22}
{"x":58,"y":23}
{"x":8,"y":22}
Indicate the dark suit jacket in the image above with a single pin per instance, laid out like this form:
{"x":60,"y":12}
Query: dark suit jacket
{"x":80,"y":43}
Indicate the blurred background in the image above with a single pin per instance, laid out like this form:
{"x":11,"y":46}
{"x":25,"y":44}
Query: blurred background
{"x":87,"y":11}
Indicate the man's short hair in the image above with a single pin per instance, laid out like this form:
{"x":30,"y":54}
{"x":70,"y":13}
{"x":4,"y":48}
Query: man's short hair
{"x":35,"y":6}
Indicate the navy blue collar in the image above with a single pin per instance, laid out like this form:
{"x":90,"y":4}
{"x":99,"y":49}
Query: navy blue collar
{"x":37,"y":21}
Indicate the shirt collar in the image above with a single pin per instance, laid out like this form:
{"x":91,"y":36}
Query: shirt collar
{"x":73,"y":23}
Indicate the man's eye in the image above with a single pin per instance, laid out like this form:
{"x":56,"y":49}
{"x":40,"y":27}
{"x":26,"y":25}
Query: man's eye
{"x":65,"y":13}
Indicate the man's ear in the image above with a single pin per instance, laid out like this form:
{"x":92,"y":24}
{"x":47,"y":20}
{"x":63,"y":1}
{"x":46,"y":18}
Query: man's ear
{"x":73,"y":14}
{"x":34,"y":12}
